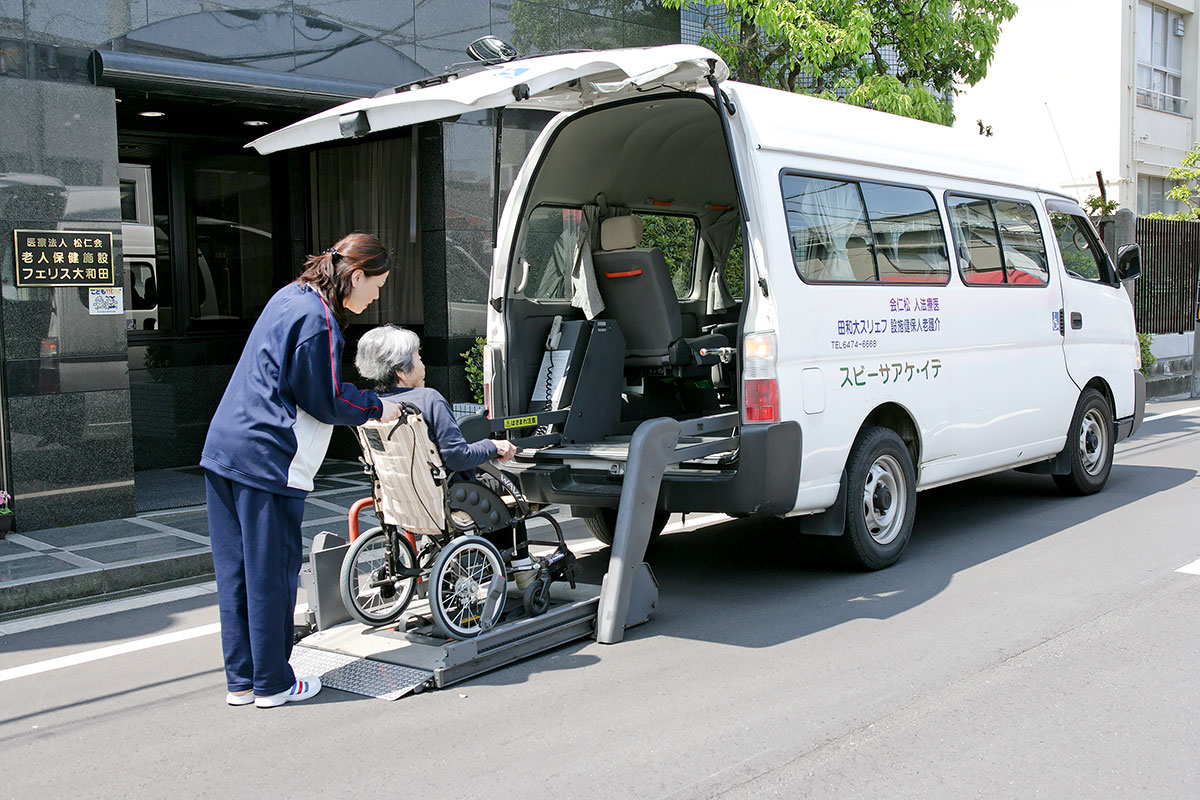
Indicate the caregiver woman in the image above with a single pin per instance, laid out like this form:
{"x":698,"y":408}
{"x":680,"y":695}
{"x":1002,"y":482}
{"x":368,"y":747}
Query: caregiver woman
{"x":264,"y":445}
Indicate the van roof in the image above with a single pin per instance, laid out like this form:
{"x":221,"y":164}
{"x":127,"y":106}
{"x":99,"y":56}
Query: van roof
{"x":796,"y":123}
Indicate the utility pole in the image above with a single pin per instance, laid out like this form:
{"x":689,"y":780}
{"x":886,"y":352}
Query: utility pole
{"x":1196,"y":343}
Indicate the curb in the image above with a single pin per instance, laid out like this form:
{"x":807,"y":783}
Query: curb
{"x":25,"y":595}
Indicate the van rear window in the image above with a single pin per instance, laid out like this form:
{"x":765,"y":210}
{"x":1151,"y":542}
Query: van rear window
{"x":845,"y":231}
{"x":997,"y":242}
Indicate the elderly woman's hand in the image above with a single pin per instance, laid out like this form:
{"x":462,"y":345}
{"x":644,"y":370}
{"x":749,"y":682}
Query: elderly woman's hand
{"x":390,"y":410}
{"x":504,"y":449}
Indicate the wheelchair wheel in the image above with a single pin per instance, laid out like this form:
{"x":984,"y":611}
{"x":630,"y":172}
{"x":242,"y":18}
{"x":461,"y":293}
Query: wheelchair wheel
{"x":371,"y":595}
{"x":459,"y":583}
{"x":537,"y":595}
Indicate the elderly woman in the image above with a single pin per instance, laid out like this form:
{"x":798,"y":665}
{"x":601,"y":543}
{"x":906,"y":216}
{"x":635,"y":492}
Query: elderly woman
{"x":391,"y":357}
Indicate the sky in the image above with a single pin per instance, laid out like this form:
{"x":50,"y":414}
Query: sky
{"x":1053,"y":91}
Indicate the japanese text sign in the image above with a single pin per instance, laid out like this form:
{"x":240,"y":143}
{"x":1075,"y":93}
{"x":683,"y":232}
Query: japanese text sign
{"x":64,"y":258}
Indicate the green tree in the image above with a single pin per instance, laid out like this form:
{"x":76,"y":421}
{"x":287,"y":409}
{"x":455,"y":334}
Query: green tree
{"x":899,"y":56}
{"x":1186,"y":177}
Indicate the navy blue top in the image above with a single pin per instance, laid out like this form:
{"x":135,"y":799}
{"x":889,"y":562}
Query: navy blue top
{"x":272,"y":427}
{"x":457,"y":454}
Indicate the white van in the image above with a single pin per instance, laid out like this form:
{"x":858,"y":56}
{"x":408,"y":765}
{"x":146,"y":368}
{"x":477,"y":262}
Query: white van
{"x":862,"y":305}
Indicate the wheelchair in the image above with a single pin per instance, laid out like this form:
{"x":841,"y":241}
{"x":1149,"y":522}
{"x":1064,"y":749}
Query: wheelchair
{"x":429,"y":542}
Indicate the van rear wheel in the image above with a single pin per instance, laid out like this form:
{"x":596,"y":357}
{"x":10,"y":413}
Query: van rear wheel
{"x":881,"y":500}
{"x":602,"y":523}
{"x":1089,"y":446}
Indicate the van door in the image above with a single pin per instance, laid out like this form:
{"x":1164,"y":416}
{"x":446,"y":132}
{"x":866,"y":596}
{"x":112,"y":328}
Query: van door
{"x":1098,"y":327}
{"x":1018,"y":401}
{"x":563,"y":82}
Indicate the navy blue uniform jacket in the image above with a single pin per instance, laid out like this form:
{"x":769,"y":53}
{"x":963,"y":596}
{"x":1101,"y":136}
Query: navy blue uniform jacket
{"x":273,"y":425}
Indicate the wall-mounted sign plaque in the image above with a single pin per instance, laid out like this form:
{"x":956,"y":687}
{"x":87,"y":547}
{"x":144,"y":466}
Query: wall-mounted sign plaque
{"x":64,"y":258}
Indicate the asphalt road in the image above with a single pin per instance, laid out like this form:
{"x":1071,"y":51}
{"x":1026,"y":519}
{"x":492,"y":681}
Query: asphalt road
{"x":1028,"y":645}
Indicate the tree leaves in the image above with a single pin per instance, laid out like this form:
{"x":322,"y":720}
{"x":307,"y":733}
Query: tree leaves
{"x":899,"y":56}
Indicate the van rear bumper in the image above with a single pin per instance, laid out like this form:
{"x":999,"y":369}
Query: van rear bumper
{"x":764,"y":482}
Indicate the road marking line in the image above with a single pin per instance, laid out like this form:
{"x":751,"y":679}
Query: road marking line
{"x":1172,"y":413}
{"x":107,"y":652}
{"x":1190,"y":569}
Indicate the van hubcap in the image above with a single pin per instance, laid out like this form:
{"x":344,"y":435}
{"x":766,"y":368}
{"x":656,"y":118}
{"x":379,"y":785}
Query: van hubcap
{"x":884,"y":500}
{"x":1093,"y":442}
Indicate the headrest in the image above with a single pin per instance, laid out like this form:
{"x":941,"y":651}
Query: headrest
{"x":914,"y":238}
{"x":620,"y":233}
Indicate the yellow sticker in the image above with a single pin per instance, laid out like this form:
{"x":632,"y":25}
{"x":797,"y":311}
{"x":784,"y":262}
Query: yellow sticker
{"x":520,"y":422}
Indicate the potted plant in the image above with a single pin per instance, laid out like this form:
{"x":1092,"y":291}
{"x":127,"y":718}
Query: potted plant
{"x":6,"y":513}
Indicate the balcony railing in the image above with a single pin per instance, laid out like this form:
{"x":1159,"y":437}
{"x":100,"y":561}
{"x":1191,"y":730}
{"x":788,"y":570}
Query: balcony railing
{"x":1161,"y":101}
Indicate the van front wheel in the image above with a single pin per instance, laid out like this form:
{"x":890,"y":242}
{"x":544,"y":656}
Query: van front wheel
{"x":1089,"y":445}
{"x":881,"y":500}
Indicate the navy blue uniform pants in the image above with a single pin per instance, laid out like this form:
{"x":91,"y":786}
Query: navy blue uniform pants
{"x":257,"y":549}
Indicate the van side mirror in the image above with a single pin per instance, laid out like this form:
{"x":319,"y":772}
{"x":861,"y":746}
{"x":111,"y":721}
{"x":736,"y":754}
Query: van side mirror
{"x":1129,"y":262}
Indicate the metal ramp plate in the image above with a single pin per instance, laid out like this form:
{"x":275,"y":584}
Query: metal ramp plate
{"x":387,"y":663}
{"x":359,"y":675}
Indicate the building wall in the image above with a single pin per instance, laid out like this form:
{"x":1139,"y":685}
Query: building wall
{"x":65,"y":375}
{"x":1158,"y":140}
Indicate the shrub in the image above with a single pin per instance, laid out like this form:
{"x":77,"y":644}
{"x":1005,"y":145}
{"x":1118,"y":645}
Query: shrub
{"x":474,"y":368}
{"x":1148,"y":359}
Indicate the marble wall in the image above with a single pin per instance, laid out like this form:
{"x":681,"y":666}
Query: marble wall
{"x":65,"y":370}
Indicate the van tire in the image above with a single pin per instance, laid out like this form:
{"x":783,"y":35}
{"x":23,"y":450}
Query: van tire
{"x":601,"y":523}
{"x":1089,"y":449}
{"x":881,"y":500}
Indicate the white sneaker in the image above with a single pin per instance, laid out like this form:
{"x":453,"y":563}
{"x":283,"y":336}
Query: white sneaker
{"x":302,"y":689}
{"x":240,"y":699}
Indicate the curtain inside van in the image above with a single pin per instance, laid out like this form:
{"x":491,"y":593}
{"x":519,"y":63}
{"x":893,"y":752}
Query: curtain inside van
{"x":370,"y":187}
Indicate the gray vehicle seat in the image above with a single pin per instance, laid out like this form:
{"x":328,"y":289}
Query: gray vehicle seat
{"x":636,"y":287}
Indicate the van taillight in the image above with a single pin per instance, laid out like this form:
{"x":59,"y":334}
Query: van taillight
{"x":762,"y":400}
{"x":760,"y":390}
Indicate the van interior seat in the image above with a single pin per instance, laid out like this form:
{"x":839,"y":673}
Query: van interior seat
{"x":862,"y":264}
{"x":921,"y":253}
{"x":635,"y":285}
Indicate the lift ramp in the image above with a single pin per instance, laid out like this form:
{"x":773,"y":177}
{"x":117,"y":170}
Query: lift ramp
{"x":390,"y":663}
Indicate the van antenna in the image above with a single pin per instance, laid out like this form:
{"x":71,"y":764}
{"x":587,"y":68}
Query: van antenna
{"x":1070,"y":172}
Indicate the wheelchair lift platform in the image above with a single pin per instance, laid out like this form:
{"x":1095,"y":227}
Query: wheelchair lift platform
{"x":392,"y":662}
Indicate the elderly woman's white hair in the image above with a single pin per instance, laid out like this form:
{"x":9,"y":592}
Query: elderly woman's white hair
{"x":383,"y":351}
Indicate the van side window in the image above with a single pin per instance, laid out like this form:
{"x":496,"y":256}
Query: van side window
{"x":910,"y":245}
{"x":827,"y":224}
{"x":997,"y":242}
{"x":675,"y":237}
{"x":1021,"y":237}
{"x":550,"y":237}
{"x":1081,"y":253}
{"x":849,"y":232}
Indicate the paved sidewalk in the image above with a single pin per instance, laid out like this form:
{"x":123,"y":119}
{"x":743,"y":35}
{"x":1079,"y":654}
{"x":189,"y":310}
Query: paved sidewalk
{"x":58,"y":564}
